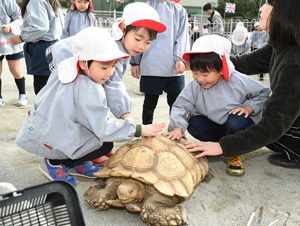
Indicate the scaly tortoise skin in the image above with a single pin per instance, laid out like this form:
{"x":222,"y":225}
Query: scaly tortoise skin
{"x":152,"y":176}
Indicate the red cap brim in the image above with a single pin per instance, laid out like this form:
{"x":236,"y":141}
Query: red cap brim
{"x":151,"y":24}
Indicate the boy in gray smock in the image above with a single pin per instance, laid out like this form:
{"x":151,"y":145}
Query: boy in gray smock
{"x":69,"y":122}
{"x":219,"y":101}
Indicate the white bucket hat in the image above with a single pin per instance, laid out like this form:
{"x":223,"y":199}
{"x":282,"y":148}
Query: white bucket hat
{"x":92,"y":43}
{"x":256,"y":24}
{"x":214,"y":44}
{"x":239,"y":35}
{"x":138,"y":14}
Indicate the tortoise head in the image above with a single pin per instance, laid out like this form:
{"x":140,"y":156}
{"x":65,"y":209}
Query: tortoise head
{"x":131,"y":191}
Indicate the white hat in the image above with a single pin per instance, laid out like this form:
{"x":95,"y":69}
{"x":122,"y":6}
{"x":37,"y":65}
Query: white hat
{"x":239,"y":35}
{"x":214,"y":44}
{"x":256,"y":24}
{"x":92,"y":43}
{"x":241,"y":24}
{"x":138,"y":14}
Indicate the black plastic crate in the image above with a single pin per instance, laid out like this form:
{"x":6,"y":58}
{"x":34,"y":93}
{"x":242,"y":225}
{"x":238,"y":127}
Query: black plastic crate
{"x":54,"y":203}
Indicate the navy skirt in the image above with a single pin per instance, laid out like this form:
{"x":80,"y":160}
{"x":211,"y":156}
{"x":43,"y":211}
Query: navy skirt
{"x":35,"y":57}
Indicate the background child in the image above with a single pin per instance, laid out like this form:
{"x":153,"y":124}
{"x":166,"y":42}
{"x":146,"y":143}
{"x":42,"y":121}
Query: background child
{"x":134,"y":34}
{"x":79,"y":17}
{"x":216,"y":23}
{"x":42,"y":27}
{"x":219,"y":101}
{"x":10,"y":22}
{"x":162,"y":67}
{"x":239,"y":40}
{"x":69,"y":122}
{"x":254,"y":36}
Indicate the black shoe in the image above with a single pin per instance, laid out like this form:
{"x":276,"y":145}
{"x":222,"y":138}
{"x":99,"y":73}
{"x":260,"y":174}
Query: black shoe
{"x":280,"y":160}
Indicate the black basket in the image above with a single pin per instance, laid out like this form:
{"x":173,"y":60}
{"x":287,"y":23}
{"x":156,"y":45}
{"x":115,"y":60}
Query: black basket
{"x":53,"y":203}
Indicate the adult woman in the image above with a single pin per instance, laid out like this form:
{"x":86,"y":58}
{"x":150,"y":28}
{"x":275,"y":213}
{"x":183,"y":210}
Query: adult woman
{"x":279,"y":129}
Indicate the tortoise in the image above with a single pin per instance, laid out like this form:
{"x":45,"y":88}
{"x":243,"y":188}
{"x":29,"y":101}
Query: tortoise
{"x":151,"y":176}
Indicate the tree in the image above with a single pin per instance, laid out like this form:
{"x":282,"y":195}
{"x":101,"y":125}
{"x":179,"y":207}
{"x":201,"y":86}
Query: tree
{"x":245,"y":9}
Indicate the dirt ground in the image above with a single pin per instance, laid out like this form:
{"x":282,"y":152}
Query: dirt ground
{"x":224,"y":200}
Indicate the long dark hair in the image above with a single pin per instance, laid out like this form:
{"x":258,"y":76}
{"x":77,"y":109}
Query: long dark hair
{"x":284,"y":26}
{"x":54,"y":4}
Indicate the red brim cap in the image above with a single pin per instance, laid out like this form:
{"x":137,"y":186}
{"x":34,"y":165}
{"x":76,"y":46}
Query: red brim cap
{"x":151,"y":24}
{"x":176,"y":1}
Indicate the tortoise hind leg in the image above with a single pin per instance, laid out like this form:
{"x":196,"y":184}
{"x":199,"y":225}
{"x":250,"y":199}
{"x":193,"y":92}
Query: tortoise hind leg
{"x":159,"y":209}
{"x":97,"y":195}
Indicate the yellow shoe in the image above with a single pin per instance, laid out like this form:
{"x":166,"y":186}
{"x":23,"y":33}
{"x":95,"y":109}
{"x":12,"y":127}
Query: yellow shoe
{"x":235,"y":166}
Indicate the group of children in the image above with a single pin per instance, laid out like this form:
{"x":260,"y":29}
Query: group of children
{"x":69,"y":124}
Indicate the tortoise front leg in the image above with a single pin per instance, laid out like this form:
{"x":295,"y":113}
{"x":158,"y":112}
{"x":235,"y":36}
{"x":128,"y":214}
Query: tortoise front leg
{"x":159,"y":209}
{"x":97,"y":195}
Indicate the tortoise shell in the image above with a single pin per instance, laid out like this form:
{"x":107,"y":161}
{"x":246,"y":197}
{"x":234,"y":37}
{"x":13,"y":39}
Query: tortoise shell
{"x":157,"y":161}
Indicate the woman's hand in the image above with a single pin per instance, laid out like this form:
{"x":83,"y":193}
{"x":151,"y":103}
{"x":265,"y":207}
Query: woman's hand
{"x":15,"y":39}
{"x":175,"y":134}
{"x":152,"y":129}
{"x":207,"y":148}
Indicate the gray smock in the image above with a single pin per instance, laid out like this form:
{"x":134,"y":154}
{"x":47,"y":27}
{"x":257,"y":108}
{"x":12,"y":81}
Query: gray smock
{"x":10,"y":14}
{"x":76,"y":21}
{"x":69,"y":121}
{"x":169,"y":46}
{"x":240,"y":49}
{"x":217,"y":22}
{"x":254,"y":38}
{"x":216,"y":102}
{"x":263,"y":39}
{"x":40,"y":22}
{"x":117,"y":96}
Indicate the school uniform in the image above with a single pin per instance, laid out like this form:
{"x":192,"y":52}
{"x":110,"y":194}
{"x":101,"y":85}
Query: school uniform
{"x":10,"y":14}
{"x":41,"y":29}
{"x":76,"y":21}
{"x":157,"y":64}
{"x":69,"y":121}
{"x":216,"y":102}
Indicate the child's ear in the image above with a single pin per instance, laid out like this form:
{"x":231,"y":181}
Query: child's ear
{"x":82,"y":64}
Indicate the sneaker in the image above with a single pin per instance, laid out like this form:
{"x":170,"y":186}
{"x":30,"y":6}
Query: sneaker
{"x":100,"y":161}
{"x":281,"y":160}
{"x":110,"y":153}
{"x":2,"y":102}
{"x":235,"y":166}
{"x":56,"y":172}
{"x":23,"y":100}
{"x":85,"y":169}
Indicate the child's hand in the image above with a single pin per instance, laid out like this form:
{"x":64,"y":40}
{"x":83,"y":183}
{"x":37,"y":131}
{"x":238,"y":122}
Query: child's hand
{"x":180,"y":67}
{"x":242,"y":110}
{"x":187,"y":66}
{"x":152,"y":129}
{"x":15,"y":39}
{"x":135,"y":71}
{"x":175,"y":134}
{"x":5,"y":28}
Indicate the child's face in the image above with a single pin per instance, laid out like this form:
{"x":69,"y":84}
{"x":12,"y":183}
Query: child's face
{"x":208,"y":12}
{"x":82,"y":5}
{"x":208,"y":79}
{"x":137,"y":41}
{"x":99,"y":71}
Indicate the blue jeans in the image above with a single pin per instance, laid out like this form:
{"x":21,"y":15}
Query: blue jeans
{"x":204,"y":129}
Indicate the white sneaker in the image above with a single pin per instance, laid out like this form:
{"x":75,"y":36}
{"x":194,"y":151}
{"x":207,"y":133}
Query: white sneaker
{"x":23,"y":100}
{"x":2,"y":102}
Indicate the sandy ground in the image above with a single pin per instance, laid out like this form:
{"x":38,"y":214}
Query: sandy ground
{"x":225,"y":200}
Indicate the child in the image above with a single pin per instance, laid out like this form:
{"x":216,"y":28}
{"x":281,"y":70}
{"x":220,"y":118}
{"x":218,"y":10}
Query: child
{"x":216,"y":24}
{"x":79,"y":17}
{"x":10,"y":22}
{"x":239,"y":40}
{"x":254,"y":37}
{"x":162,"y":67}
{"x":134,"y":34}
{"x":42,"y":27}
{"x":69,"y":122}
{"x":219,"y":101}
